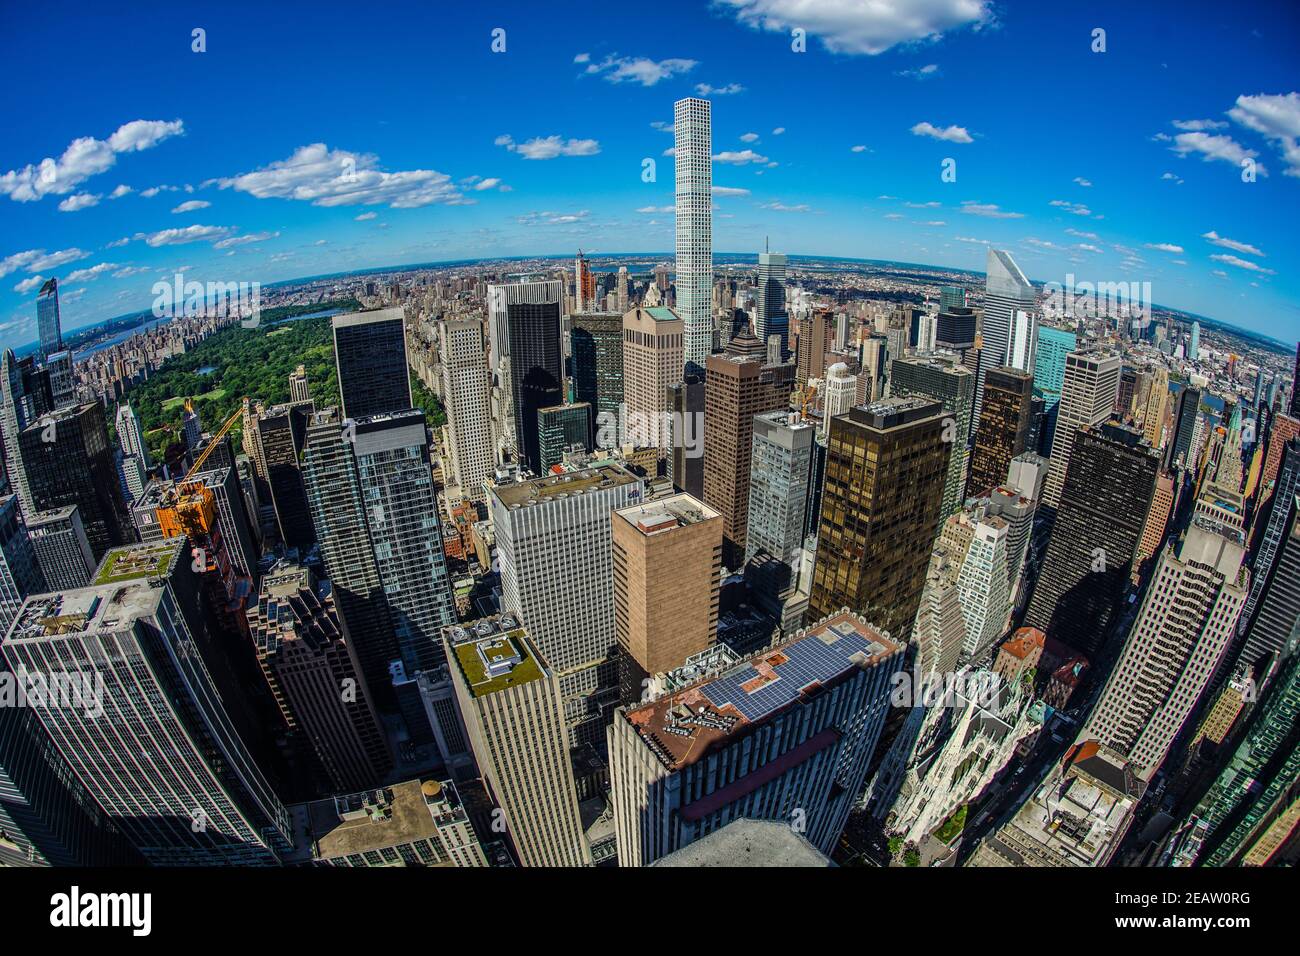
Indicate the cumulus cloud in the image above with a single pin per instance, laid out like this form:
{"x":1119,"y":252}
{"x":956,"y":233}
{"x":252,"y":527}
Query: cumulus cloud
{"x":1212,"y":146}
{"x":79,"y":201}
{"x":739,"y":157}
{"x":244,"y":240}
{"x":89,"y":274}
{"x":85,"y":157}
{"x":854,"y":27}
{"x":182,"y":236}
{"x":338,"y":177}
{"x":1164,"y":247}
{"x":950,"y":134}
{"x":703,"y":89}
{"x":120,"y":191}
{"x":192,"y":205}
{"x":38,"y":260}
{"x":639,"y":69}
{"x":549,"y":147}
{"x":27,"y":285}
{"x":1277,"y":118}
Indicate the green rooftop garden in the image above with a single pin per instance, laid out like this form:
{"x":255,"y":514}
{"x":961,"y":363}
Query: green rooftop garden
{"x":130,"y":564}
{"x":471,"y":665}
{"x":952,"y":827}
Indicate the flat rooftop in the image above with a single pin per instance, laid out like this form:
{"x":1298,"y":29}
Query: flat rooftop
{"x":395,"y":314}
{"x":893,"y":412}
{"x":136,"y":562}
{"x":666,"y":514}
{"x":748,"y":843}
{"x":539,"y":490}
{"x":373,"y":820}
{"x":681,"y":727}
{"x":494,"y":654}
{"x":107,"y":608}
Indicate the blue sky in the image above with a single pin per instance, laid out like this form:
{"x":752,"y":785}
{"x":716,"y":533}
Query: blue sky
{"x":325,"y":137}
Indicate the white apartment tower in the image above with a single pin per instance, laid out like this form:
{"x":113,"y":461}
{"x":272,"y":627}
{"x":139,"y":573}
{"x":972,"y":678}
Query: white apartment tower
{"x":693,"y":158}
{"x":466,"y":392}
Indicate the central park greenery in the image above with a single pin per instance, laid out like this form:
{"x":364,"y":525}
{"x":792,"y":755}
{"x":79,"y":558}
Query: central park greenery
{"x":236,"y":362}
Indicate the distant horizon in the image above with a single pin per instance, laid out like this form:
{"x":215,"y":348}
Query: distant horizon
{"x":1282,"y":345}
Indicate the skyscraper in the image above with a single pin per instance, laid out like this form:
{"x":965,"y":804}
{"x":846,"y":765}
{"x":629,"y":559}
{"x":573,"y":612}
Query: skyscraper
{"x":1003,"y":429}
{"x":787,"y":735}
{"x":885,"y":471}
{"x":940,"y":378}
{"x":62,"y":549}
{"x":738,"y":385}
{"x":560,"y":429}
{"x":667,"y":558}
{"x":693,"y":159}
{"x":510,"y":698}
{"x":1099,"y":521}
{"x":1180,"y":443}
{"x":816,"y":340}
{"x":532,"y":313}
{"x":298,"y":390}
{"x":315,"y":677}
{"x":1049,"y":361}
{"x":1006,"y":291}
{"x":466,"y":394}
{"x":652,"y":361}
{"x":339,"y":512}
{"x":596,"y":344}
{"x":1087,"y":399}
{"x":370,"y":357}
{"x":1268,"y":616}
{"x":48,"y":325}
{"x":1183,"y":629}
{"x":176,"y":777}
{"x":770,"y":316}
{"x":780,"y":485}
{"x":279,"y":433}
{"x":1295,"y":386}
{"x":553,"y":541}
{"x":67,"y":461}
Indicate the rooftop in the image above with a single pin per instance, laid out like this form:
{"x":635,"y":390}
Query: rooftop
{"x":666,"y":514}
{"x":136,"y":562}
{"x":540,"y":490}
{"x":681,"y":727}
{"x":748,"y":843}
{"x":373,"y":820}
{"x":494,"y":654}
{"x":108,"y":608}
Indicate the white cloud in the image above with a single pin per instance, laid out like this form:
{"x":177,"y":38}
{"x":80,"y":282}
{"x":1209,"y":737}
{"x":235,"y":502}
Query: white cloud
{"x":1086,"y":247}
{"x":127,"y":271}
{"x":1241,"y":263}
{"x":120,"y":191}
{"x":582,"y":58}
{"x":181,"y":236}
{"x":932,"y":204}
{"x":1212,"y":146}
{"x":921,"y":72}
{"x":549,"y":147}
{"x":1198,"y":125}
{"x":703,"y":89}
{"x":729,"y":191}
{"x":778,"y":206}
{"x":244,"y":240}
{"x":90,"y":274}
{"x":337,"y":177}
{"x":853,"y":26}
{"x":1082,"y":235}
{"x":951,"y":134}
{"x":1074,"y":208}
{"x":27,"y":285}
{"x":192,"y":205}
{"x":38,"y":260}
{"x":858,"y":149}
{"x":490,"y":183}
{"x":79,"y":201}
{"x":739,"y":157}
{"x":1079,"y":180}
{"x":894,"y":215}
{"x":749,"y":137}
{"x":365,"y":217}
{"x":657,"y":209}
{"x":1232,"y":244}
{"x":988,"y":210}
{"x":1171,"y":176}
{"x":1278,"y":119}
{"x":1164,"y":247}
{"x":85,"y":157}
{"x":778,"y":131}
{"x":549,"y":218}
{"x":640,"y":69}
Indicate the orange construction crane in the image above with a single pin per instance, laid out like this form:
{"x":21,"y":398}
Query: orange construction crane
{"x":190,"y":508}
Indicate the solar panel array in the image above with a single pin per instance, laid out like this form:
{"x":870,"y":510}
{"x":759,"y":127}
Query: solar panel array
{"x":810,"y":659}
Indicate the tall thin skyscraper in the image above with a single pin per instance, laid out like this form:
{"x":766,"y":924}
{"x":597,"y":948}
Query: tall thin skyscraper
{"x":770,"y":316}
{"x":370,"y":358}
{"x":693,"y":159}
{"x":61,"y":547}
{"x":780,"y":479}
{"x":526,"y":326}
{"x":1003,"y":429}
{"x":1295,"y":386}
{"x":48,"y":325}
{"x":466,"y":393}
{"x":944,"y":380}
{"x":1006,"y":291}
{"x":652,"y":361}
{"x":1087,"y":399}
{"x":596,"y":345}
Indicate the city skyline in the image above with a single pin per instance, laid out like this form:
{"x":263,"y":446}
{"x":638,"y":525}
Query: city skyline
{"x":366,"y":178}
